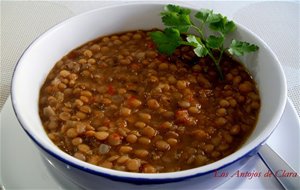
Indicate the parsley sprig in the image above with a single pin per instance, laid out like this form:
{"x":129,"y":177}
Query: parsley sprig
{"x":178,"y":22}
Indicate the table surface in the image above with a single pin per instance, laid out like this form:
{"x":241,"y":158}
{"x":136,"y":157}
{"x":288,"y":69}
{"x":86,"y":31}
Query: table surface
{"x":277,"y":23}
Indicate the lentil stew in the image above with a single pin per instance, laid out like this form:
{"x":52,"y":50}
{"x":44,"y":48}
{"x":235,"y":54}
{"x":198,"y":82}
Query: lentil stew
{"x":117,"y":103}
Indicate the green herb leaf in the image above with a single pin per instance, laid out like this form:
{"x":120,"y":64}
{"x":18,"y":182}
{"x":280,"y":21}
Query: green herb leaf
{"x":203,"y":14}
{"x":229,"y":27}
{"x":193,"y":40}
{"x":214,"y":18}
{"x":167,"y":41}
{"x":221,"y":24}
{"x":177,"y":9}
{"x":176,"y":17}
{"x":215,"y":42}
{"x":239,"y":48}
{"x":199,"y":49}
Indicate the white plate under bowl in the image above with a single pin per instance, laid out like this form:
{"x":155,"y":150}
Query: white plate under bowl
{"x":22,"y":167}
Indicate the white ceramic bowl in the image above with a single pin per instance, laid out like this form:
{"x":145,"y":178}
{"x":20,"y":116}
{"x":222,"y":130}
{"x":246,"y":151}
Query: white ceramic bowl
{"x":44,"y":52}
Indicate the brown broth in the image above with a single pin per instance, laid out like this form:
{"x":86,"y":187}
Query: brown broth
{"x":116,"y":102}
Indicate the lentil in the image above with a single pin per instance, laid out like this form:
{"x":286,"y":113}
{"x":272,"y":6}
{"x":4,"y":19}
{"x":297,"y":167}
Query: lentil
{"x":162,"y":145}
{"x":144,"y":140}
{"x":149,"y":132}
{"x":76,"y":141}
{"x":141,"y":153}
{"x":153,"y":104}
{"x":148,"y":169}
{"x":125,"y":149}
{"x":131,"y":138}
{"x":133,"y":165}
{"x":102,"y":135}
{"x":140,"y":124}
{"x":125,"y":111}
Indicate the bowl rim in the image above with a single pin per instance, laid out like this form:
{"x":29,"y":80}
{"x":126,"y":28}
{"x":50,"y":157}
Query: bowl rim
{"x":171,"y":176}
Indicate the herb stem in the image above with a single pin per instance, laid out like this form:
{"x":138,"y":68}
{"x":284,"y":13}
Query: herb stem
{"x":199,"y":31}
{"x":217,"y":63}
{"x":185,"y":43}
